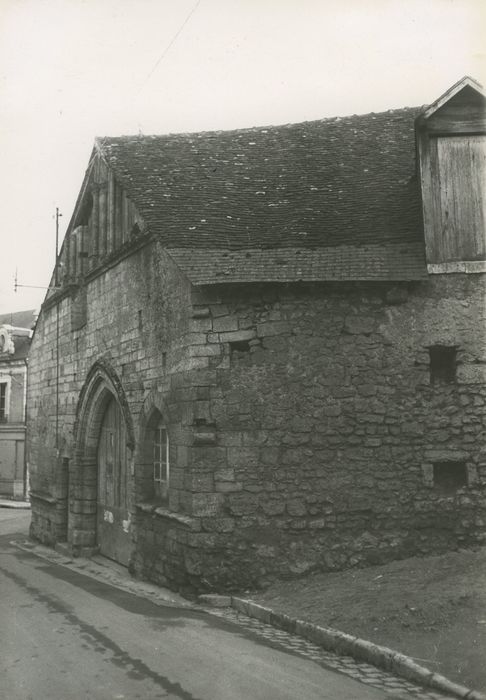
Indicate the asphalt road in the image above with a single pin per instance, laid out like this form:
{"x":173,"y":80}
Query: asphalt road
{"x":66,"y":636}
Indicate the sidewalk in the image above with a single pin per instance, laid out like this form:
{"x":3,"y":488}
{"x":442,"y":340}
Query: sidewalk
{"x":7,"y":503}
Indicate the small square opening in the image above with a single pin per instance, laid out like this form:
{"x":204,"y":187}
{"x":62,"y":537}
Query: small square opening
{"x":450,"y":476}
{"x":239,"y":346}
{"x":442,"y":364}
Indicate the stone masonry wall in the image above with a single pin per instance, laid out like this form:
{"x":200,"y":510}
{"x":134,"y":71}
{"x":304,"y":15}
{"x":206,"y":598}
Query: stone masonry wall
{"x":328,"y":427}
{"x":137,"y":311}
{"x":303,"y":424}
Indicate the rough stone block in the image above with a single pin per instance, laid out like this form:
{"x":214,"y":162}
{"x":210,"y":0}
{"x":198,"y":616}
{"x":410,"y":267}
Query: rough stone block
{"x":207,"y":457}
{"x":207,"y":505}
{"x":272,"y":328}
{"x":224,"y":474}
{"x":236,"y":336}
{"x":199,"y":482}
{"x":242,"y":456}
{"x":471,"y":374}
{"x":218,"y":524}
{"x":200,"y":312}
{"x":296,"y":508}
{"x":225,"y":323}
{"x":194,"y":339}
{"x":273,"y":507}
{"x":357,"y":325}
{"x":204,"y":350}
{"x":83,"y":538}
{"x":243,"y":503}
{"x":447,"y":455}
{"x":218,"y":310}
{"x":205,"y":437}
{"x":228,"y":486}
{"x":200,"y":325}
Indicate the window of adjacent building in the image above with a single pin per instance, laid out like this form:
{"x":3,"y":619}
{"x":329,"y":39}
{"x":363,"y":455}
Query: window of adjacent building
{"x":3,"y":402}
{"x":450,"y":476}
{"x":442,"y":364}
{"x":161,"y":460}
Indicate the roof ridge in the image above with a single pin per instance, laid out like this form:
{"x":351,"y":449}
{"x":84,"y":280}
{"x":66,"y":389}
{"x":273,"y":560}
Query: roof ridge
{"x":326,"y":120}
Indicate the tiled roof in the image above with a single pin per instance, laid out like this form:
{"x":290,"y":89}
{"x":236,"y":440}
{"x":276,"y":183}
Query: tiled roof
{"x":19,"y":319}
{"x":391,"y":261}
{"x":20,"y":338}
{"x":22,"y":345}
{"x":345,"y":189}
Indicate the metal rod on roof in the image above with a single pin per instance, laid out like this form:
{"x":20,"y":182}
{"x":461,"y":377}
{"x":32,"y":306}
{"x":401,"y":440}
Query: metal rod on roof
{"x":32,"y":286}
{"x":56,"y":269}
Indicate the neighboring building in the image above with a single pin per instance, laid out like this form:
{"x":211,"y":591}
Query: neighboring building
{"x":267,"y":353}
{"x":15,"y":334}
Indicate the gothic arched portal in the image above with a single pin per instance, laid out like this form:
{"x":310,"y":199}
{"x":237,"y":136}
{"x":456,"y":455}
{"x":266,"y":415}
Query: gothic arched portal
{"x":99,"y":507}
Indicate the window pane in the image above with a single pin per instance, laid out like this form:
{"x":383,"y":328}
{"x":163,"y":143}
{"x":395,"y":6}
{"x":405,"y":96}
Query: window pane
{"x":160,"y":461}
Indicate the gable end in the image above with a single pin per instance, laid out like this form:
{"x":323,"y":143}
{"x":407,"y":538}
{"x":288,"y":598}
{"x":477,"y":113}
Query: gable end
{"x":451,"y":137}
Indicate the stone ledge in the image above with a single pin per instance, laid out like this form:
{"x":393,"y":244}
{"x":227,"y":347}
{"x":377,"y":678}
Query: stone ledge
{"x":10,"y":503}
{"x":167,"y":514}
{"x":342,"y":643}
{"x":466,"y":266}
{"x":44,"y":497}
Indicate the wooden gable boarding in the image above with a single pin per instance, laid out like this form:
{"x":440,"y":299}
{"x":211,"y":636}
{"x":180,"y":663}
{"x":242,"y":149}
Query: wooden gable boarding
{"x":451,"y":137}
{"x":104,"y":220}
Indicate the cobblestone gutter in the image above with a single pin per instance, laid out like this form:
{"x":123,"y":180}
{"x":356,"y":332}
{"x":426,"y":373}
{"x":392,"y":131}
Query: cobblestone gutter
{"x":368,"y":662}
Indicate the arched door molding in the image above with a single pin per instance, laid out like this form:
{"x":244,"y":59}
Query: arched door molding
{"x":101,"y":376}
{"x":101,"y":385}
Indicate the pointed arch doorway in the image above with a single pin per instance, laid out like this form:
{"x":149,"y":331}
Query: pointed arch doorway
{"x":113,"y":502}
{"x":100,"y":492}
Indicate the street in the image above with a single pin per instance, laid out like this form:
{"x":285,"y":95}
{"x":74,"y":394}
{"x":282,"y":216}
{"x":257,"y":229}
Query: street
{"x":66,"y":636}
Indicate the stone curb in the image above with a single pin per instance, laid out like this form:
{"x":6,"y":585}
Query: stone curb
{"x":342,"y":643}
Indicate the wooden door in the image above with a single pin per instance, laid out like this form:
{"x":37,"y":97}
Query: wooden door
{"x":113,"y":486}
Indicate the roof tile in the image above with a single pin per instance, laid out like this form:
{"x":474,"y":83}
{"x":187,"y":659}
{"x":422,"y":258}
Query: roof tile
{"x":348,"y":182}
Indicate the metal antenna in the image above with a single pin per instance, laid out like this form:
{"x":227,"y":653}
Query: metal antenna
{"x":56,"y":266}
{"x":56,"y":286}
{"x":56,"y":269}
{"x":56,"y":283}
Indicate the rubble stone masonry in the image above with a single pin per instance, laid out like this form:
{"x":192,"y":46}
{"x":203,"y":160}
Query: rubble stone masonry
{"x":306,"y":431}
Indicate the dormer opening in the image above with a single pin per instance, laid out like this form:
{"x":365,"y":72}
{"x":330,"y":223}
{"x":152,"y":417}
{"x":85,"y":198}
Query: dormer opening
{"x":84,"y":213}
{"x":451,"y":137}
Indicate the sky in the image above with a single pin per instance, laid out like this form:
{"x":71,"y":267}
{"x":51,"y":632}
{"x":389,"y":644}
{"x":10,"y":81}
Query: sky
{"x":71,"y":70}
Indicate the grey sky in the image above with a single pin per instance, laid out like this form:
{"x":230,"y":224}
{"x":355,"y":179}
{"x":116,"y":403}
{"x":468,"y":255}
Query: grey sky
{"x":71,"y":70}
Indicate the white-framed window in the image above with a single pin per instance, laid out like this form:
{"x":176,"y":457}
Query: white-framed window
{"x":161,"y":460}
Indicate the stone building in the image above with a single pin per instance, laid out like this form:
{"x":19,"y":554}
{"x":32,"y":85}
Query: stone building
{"x":266,"y":354}
{"x":15,"y":334}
